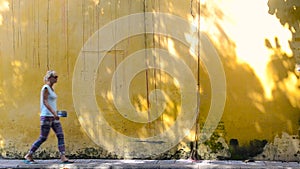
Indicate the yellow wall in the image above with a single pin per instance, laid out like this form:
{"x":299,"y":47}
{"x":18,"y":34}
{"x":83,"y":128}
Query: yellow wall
{"x":37,"y":35}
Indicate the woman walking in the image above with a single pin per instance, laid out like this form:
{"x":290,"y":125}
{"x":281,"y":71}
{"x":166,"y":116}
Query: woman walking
{"x":49,"y":119}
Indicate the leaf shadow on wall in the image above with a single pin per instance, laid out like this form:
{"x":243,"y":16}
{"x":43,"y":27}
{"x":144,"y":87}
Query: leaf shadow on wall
{"x":249,"y":114}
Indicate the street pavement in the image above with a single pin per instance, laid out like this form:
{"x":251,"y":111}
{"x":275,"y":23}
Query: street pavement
{"x":149,"y":164}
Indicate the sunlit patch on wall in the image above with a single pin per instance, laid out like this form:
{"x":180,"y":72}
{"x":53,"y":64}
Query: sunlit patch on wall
{"x":4,"y":6}
{"x":248,"y":29}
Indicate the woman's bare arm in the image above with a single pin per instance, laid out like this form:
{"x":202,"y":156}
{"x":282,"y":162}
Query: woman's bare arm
{"x":45,"y":101}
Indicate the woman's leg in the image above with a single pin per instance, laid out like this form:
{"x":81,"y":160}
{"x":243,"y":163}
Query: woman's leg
{"x":45,"y":129}
{"x":57,"y":128}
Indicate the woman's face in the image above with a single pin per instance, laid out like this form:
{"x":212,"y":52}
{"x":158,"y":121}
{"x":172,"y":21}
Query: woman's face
{"x":53,"y":78}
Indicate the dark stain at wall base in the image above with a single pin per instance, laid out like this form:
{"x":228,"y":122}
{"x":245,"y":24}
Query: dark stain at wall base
{"x":91,"y":152}
{"x":246,"y":152}
{"x":174,"y":153}
{"x":214,"y":144}
{"x":237,"y":152}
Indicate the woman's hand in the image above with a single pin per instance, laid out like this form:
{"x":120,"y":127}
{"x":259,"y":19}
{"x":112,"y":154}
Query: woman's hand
{"x":56,"y":117}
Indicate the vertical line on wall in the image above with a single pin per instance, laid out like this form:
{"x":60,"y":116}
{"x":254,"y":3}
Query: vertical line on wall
{"x":113,"y":49}
{"x":97,"y":6}
{"x":92,"y":20}
{"x":98,"y":27}
{"x":122,"y":44}
{"x":34,"y":50}
{"x":154,"y":56}
{"x":198,"y":65}
{"x":159,"y":59}
{"x":19,"y":27}
{"x":67,"y":41}
{"x":194,"y":145}
{"x":114,"y":33}
{"x":28,"y":43}
{"x":38,"y":30}
{"x":83,"y":31}
{"x":147,"y":60}
{"x":127,"y":44}
{"x":34,"y":35}
{"x":128,"y":29}
{"x":47,"y":34}
{"x":13,"y":27}
{"x":157,"y":72}
{"x":198,"y":53}
{"x":66,"y":33}
{"x":159,"y":47}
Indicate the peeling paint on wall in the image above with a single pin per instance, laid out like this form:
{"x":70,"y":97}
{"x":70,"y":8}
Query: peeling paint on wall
{"x":284,"y":147}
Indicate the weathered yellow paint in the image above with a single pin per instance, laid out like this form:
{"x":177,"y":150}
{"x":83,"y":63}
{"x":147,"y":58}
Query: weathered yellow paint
{"x":37,"y":35}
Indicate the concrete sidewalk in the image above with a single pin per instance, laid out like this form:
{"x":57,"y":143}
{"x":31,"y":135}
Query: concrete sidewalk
{"x":151,"y":164}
